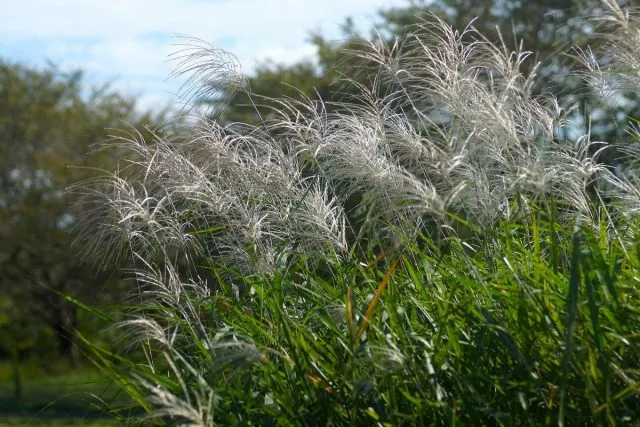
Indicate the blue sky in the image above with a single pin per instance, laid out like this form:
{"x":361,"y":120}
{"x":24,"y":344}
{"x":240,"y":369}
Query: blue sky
{"x":127,"y":42}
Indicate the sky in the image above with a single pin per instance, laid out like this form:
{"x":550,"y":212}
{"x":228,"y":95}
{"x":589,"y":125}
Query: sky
{"x":127,"y":43}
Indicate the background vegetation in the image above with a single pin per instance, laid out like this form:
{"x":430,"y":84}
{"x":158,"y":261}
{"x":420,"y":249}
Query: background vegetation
{"x":49,"y":121}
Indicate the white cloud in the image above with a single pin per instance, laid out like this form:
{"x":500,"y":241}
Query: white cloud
{"x":129,"y":40}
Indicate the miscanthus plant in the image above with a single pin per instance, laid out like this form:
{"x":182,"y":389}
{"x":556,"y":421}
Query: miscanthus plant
{"x":428,"y":253}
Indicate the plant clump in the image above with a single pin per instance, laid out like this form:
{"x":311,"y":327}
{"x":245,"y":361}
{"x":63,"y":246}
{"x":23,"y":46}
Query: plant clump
{"x":427,"y":252}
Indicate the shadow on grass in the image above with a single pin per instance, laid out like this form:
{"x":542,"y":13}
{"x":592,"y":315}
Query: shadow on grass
{"x":80,"y":396}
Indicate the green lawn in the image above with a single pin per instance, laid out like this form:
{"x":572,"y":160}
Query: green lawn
{"x":57,"y":396}
{"x":57,"y":422}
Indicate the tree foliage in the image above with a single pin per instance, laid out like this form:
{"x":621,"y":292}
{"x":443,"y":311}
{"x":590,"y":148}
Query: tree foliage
{"x":48,"y":122}
{"x":549,"y":29}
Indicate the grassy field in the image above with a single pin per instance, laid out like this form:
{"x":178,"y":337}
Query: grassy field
{"x":57,"y":396}
{"x":57,"y":422}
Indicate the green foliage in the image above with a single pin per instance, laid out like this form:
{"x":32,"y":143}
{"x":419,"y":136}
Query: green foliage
{"x":491,"y":331}
{"x":47,"y":125}
{"x":54,"y":394}
{"x":549,"y":29}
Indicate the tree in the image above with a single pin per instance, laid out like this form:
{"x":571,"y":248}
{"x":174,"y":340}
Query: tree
{"x":550,"y":29}
{"x":47,"y":126}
